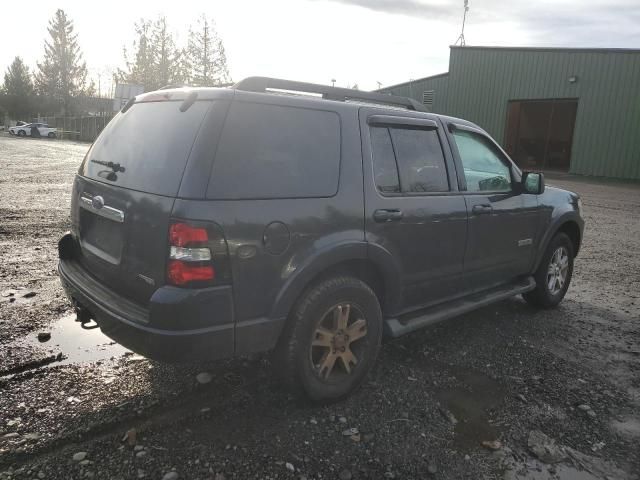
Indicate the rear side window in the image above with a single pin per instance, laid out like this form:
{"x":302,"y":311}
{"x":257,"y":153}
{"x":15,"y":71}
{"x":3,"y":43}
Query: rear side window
{"x":270,"y":151}
{"x":408,"y":160}
{"x":148,"y":145}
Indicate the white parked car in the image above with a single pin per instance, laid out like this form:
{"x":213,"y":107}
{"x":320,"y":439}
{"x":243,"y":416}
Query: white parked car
{"x":25,"y":130}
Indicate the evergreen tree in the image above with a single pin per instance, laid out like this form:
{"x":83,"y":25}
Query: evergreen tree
{"x":18,"y":90}
{"x":158,"y":62}
{"x":167,"y":58}
{"x":206,"y":58}
{"x":140,"y":69}
{"x":62,"y":73}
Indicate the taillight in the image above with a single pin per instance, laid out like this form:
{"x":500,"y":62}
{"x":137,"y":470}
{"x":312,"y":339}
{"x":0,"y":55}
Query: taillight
{"x":182,"y":235}
{"x":181,"y":273}
{"x":190,"y":258}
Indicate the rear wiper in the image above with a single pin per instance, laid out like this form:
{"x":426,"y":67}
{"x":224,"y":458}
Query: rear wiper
{"x":116,"y":167}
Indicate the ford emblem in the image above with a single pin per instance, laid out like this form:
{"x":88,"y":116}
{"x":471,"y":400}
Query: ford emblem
{"x":97,"y":202}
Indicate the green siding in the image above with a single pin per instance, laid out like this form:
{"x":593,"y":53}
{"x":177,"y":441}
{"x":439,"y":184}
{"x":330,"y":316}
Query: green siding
{"x":481,"y":81}
{"x":416,"y":88}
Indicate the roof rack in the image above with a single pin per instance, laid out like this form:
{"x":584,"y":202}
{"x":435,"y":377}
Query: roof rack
{"x":262,"y":84}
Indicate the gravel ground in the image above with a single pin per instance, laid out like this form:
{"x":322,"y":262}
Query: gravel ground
{"x":504,"y":392}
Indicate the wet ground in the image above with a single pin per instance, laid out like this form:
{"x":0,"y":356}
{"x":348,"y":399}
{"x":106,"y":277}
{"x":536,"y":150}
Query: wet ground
{"x":504,"y":392}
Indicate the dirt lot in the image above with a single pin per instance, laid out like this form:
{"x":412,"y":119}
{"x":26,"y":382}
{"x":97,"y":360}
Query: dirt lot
{"x":498,"y":375}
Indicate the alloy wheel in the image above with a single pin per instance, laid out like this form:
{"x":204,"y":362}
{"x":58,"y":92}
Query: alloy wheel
{"x":557,"y":271}
{"x":336,"y":346}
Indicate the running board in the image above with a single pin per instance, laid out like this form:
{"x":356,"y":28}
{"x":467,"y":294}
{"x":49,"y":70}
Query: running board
{"x":396,"y":327}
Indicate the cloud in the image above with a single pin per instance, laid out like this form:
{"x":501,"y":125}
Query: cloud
{"x":413,"y":8}
{"x":545,"y":22}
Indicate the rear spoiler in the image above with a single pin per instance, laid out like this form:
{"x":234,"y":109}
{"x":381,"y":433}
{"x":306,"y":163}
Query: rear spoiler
{"x":188,"y":97}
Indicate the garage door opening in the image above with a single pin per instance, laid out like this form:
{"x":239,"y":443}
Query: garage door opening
{"x":539,"y":133}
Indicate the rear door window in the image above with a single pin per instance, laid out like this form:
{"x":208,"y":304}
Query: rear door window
{"x":408,"y":160}
{"x":147,"y":147}
{"x":420,"y":160}
{"x":271,"y":151}
{"x":384,"y":162}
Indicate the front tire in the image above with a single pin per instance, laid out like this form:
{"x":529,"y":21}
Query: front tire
{"x":554,"y":273}
{"x":22,"y":133}
{"x":332,"y":339}
{"x":51,"y":135}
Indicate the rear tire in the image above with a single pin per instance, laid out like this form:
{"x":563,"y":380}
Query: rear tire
{"x":22,"y":133}
{"x":554,"y":273}
{"x":332,"y":339}
{"x":51,"y":135}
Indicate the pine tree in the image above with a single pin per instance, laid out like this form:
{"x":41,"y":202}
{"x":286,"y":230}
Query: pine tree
{"x":206,"y":58}
{"x":62,"y":73}
{"x":158,"y":62}
{"x":18,"y":89}
{"x":167,"y":58}
{"x":140,"y":70}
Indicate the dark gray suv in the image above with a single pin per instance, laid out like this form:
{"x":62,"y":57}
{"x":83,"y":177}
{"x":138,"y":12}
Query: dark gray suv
{"x":208,"y":223}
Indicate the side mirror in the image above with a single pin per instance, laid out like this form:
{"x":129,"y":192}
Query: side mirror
{"x":532,"y":182}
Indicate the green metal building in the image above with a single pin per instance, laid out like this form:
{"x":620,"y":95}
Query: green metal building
{"x":575,"y":110}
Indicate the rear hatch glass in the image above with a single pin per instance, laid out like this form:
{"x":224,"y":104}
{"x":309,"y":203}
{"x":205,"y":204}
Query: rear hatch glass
{"x":125,"y":193}
{"x":147,"y":147}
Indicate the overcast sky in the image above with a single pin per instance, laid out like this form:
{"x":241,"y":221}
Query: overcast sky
{"x":353,"y":41}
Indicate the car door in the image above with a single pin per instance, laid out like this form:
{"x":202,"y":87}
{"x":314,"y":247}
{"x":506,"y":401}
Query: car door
{"x":412,"y":207}
{"x":502,"y":220}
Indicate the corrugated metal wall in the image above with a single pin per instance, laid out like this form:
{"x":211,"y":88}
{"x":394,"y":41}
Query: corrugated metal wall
{"x":606,"y":140}
{"x":415,"y":89}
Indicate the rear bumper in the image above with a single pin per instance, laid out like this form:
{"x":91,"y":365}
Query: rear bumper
{"x":179,"y":325}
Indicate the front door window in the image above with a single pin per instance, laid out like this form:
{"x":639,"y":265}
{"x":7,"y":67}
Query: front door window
{"x":484,"y":169}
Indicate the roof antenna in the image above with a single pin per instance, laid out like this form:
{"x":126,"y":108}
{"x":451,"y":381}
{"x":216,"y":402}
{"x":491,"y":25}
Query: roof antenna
{"x":464,"y":18}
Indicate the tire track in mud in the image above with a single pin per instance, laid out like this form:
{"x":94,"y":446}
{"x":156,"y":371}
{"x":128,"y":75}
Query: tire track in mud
{"x":26,"y":370}
{"x":185,"y":406}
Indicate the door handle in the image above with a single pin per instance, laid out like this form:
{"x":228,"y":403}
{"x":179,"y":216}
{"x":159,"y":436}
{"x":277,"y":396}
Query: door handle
{"x":385,"y":215}
{"x":482,"y":209}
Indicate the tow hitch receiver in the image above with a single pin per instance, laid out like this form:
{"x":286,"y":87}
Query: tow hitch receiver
{"x":84,"y":317}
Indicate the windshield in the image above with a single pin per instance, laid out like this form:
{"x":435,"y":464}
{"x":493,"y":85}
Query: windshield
{"x":146,"y":148}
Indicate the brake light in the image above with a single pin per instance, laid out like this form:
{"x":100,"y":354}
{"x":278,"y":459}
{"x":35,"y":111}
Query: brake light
{"x":182,"y":235}
{"x":181,"y":273}
{"x":189,"y":256}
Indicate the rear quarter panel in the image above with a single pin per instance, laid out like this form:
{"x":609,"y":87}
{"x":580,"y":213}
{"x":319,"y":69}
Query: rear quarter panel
{"x":312,"y":230}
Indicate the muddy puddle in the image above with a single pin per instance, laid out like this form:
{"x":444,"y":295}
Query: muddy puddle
{"x":470,"y":403}
{"x":69,"y":343}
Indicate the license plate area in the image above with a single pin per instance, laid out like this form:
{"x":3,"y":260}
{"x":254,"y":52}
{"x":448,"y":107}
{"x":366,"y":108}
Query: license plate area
{"x":101,"y":237}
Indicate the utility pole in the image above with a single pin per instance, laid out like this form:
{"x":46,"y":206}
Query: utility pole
{"x":100,"y":94}
{"x":333,"y":82}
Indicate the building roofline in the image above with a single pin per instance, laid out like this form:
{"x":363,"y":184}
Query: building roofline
{"x":413,"y":81}
{"x":548,"y":49}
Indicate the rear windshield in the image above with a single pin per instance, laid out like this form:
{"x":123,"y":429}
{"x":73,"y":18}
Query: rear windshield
{"x":148,"y":147}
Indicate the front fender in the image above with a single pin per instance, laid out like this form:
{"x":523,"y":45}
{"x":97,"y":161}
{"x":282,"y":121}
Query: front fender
{"x":556,"y":222}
